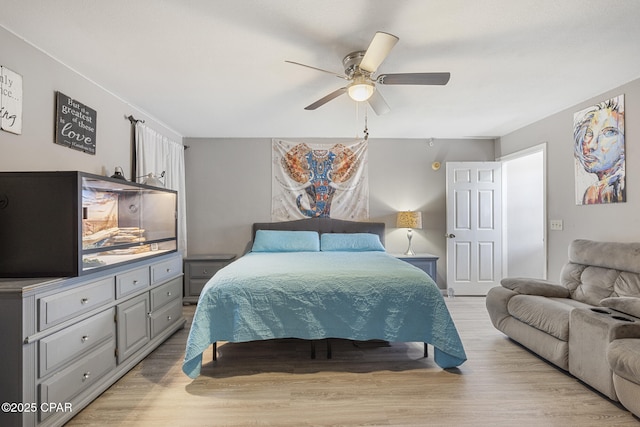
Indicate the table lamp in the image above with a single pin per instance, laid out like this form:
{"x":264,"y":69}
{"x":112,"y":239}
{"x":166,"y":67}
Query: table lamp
{"x":410,"y":220}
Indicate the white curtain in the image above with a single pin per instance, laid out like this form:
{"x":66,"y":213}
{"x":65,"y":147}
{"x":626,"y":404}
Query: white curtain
{"x":156,"y":153}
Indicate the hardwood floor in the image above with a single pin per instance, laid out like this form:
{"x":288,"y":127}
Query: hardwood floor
{"x":275,"y":383}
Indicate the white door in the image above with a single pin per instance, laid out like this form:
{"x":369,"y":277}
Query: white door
{"x":474,"y":226}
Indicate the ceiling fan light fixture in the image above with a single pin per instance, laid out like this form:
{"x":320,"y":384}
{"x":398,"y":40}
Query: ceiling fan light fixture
{"x":360,"y":90}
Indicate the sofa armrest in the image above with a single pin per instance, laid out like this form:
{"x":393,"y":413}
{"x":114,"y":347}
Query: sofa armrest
{"x":497,"y":303}
{"x":625,"y":330}
{"x":629,"y":308}
{"x":626,"y":305}
{"x":539,"y":287}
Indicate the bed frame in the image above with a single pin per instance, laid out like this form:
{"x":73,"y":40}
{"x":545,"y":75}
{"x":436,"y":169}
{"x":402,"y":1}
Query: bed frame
{"x":321,"y":225}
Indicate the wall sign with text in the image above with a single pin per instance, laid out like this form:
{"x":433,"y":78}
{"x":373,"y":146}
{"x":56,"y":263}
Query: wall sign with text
{"x":10,"y":101}
{"x":75,"y":124}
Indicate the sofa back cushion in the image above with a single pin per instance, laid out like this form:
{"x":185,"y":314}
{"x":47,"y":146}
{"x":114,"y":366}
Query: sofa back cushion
{"x":598,"y":270}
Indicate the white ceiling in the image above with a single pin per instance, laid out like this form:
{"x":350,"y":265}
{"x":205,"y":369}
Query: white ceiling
{"x":215,"y":68}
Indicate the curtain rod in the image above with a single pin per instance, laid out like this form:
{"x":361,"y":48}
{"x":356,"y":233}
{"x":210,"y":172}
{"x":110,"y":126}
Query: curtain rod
{"x":133,"y":120}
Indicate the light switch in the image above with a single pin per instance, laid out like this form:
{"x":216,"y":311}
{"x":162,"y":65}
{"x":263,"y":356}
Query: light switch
{"x":555,"y":224}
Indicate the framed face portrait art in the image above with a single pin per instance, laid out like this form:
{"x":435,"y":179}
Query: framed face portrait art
{"x":599,"y":150}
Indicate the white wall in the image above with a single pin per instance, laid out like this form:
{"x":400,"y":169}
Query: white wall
{"x":524,"y":213}
{"x":34,"y":149}
{"x":229,"y":188}
{"x":612,"y":222}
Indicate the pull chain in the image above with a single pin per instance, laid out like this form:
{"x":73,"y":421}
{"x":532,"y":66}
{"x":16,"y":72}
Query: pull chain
{"x":366,"y":129}
{"x":356,"y":121}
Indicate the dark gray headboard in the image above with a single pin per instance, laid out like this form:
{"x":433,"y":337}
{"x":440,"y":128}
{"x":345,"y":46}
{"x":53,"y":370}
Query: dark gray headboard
{"x":323,"y":225}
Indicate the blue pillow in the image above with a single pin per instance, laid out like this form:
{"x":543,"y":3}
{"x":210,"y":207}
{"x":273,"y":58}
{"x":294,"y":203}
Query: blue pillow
{"x":286,"y":241}
{"x":351,"y":242}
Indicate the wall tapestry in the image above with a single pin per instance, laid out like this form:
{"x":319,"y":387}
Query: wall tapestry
{"x":319,"y":180}
{"x":599,"y":150}
{"x":10,"y":101}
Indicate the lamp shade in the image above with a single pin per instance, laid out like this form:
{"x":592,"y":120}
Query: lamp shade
{"x":409,"y":219}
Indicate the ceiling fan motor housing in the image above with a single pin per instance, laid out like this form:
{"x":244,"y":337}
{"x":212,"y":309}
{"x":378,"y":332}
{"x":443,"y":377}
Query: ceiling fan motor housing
{"x":352,"y":62}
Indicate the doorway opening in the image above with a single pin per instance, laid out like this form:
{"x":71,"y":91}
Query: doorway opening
{"x":525,"y":213}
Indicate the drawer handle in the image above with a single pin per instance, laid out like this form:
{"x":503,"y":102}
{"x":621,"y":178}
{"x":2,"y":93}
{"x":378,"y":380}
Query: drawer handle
{"x":85,"y":338}
{"x":205,"y":271}
{"x":86,"y":376}
{"x":169,"y":293}
{"x":168,"y":270}
{"x":84,"y":301}
{"x":168,"y":318}
{"x":135,"y":282}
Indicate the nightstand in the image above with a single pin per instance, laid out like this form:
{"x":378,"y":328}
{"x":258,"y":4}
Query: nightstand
{"x":198,"y":269}
{"x":425,"y":262}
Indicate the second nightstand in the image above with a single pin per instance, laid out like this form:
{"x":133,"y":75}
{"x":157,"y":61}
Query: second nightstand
{"x":198,"y":269}
{"x":425,"y":262}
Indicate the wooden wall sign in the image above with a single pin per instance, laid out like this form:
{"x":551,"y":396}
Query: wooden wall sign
{"x":10,"y":101}
{"x":75,"y":124}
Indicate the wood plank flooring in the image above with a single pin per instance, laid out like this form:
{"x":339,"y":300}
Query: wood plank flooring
{"x":274,"y":383}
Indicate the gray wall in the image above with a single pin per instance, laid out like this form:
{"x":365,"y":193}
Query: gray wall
{"x":613,"y":222}
{"x":229,"y":188}
{"x":229,"y":181}
{"x":34,"y":149}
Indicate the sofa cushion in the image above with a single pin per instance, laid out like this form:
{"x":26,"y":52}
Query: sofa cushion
{"x":624,"y":358}
{"x":626,"y":305}
{"x":550,"y":315}
{"x":598,"y":270}
{"x":627,"y":285}
{"x":589,"y":284}
{"x":544,"y":288}
{"x":611,"y":255}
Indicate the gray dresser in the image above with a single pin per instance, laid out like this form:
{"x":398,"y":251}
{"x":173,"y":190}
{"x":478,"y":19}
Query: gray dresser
{"x":66,"y":340}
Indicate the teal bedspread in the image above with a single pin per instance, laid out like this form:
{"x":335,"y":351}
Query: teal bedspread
{"x":315,"y":295}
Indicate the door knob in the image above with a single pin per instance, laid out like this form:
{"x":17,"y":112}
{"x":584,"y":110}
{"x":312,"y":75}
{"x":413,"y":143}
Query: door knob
{"x":450,"y":236}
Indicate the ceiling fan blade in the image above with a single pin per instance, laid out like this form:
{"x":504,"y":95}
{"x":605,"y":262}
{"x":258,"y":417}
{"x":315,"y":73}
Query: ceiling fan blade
{"x":320,"y":102}
{"x":342,"y":76}
{"x":378,"y":104}
{"x":377,"y":51}
{"x":414,"y":79}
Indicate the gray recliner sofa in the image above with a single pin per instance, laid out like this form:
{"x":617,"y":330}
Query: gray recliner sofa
{"x":588,"y":323}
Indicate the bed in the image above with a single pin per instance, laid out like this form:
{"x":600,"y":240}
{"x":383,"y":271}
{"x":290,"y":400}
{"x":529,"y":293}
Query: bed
{"x":316,"y":279}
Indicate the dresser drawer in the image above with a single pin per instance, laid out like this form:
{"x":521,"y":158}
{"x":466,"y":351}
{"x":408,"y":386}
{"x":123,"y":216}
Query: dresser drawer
{"x":132,"y":281}
{"x":69,"y":343}
{"x":68,"y":383}
{"x":65,"y":305}
{"x":165,"y":293}
{"x":165,"y":317}
{"x":166,"y":270}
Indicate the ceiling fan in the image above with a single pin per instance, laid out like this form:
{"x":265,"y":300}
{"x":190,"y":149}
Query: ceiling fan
{"x":360,"y":68}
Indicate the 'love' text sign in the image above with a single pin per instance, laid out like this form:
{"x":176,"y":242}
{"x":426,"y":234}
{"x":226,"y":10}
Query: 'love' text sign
{"x":75,"y":124}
